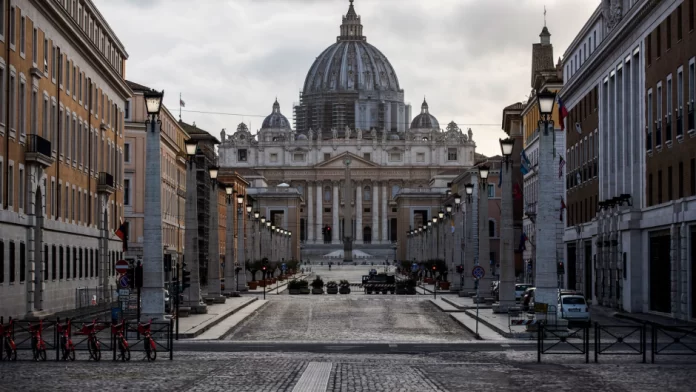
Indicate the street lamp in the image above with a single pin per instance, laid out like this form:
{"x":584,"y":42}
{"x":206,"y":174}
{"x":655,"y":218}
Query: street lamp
{"x":191,"y":147}
{"x":448,"y":208}
{"x":153,"y":271}
{"x":483,"y":173}
{"x":214,"y":285}
{"x":441,"y":214}
{"x":506,"y":146}
{"x":545,"y":101}
{"x":469,"y":188}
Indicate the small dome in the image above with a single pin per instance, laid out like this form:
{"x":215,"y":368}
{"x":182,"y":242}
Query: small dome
{"x":284,"y":185}
{"x":301,"y":136}
{"x":425,"y":120}
{"x":276,"y":119}
{"x":394,"y":136}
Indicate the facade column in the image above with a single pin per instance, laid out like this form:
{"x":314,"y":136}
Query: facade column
{"x":385,"y":213}
{"x":229,"y":248}
{"x":319,"y":225}
{"x":507,"y":262}
{"x":375,"y":212}
{"x":310,"y":213}
{"x":241,"y":258}
{"x":456,"y":245}
{"x":334,"y":211}
{"x":193,"y":293}
{"x":472,"y":234}
{"x":484,"y":254}
{"x":214,"y":286}
{"x":359,"y":194}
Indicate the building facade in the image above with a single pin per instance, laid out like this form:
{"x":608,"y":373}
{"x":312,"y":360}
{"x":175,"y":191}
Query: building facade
{"x":173,"y":167}
{"x":632,"y":237}
{"x":385,"y":158}
{"x":62,"y":97}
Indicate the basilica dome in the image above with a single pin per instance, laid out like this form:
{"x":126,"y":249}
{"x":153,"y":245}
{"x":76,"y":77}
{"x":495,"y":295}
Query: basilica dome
{"x":425,"y":120}
{"x":276,"y":120}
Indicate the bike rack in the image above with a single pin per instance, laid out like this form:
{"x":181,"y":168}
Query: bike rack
{"x":160,"y":331}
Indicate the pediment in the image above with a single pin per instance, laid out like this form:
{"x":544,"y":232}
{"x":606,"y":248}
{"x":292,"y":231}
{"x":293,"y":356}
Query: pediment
{"x":356,"y":162}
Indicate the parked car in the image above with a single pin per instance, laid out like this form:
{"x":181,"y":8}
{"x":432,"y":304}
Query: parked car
{"x":520,"y":288}
{"x":574,"y":308}
{"x":528,"y":299}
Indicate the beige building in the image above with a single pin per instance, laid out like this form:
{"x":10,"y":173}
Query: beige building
{"x":62,"y":97}
{"x":173,"y":166}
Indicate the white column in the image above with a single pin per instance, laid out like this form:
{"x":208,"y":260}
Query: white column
{"x":385,"y":215}
{"x":375,"y":212}
{"x":318,"y":226}
{"x":310,"y":214}
{"x":359,"y":193}
{"x":334,"y":211}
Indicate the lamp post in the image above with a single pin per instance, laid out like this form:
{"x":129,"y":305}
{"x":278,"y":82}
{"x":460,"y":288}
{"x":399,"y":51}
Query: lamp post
{"x":507,"y":267}
{"x":469,"y":250}
{"x":230,"y":264}
{"x":214,"y":286}
{"x":547,"y":218}
{"x":193,"y":292}
{"x":241,"y":259}
{"x":152,"y":292}
{"x":484,"y":255}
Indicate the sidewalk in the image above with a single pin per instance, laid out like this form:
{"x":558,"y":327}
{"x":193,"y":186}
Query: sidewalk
{"x":196,"y":324}
{"x":640,"y":318}
{"x":219,"y":331}
{"x":467,"y":321}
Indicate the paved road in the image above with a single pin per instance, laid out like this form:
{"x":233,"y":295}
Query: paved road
{"x":443,"y":371}
{"x":350,"y":273}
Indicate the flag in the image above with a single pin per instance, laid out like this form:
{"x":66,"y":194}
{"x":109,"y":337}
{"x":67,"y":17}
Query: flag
{"x":563,"y":207}
{"x":561,"y":163}
{"x":122,"y":233}
{"x":452,"y":225}
{"x":562,"y":113}
{"x":182,"y":103}
{"x":578,"y":128}
{"x":523,"y":242}
{"x":516,"y":191}
{"x":525,"y":160}
{"x":523,"y":169}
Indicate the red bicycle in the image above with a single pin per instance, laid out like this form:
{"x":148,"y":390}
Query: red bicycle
{"x":150,"y":345}
{"x":93,"y":344}
{"x":9,"y":348}
{"x":66,"y":345}
{"x":119,"y":330}
{"x":38,"y":345}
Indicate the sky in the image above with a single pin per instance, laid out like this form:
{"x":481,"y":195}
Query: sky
{"x":469,"y":58}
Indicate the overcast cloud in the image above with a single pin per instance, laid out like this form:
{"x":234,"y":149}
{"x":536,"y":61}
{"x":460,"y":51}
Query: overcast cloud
{"x":470,"y":58}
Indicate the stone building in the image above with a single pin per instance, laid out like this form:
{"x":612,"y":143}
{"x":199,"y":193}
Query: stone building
{"x":629,"y":86}
{"x":388,"y":152}
{"x":62,"y":99}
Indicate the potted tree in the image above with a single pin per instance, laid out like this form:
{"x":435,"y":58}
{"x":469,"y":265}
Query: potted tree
{"x":331,"y":287}
{"x":304,"y":287}
{"x":294,"y":287}
{"x":318,"y":285}
{"x":344,"y":287}
{"x":411,"y":286}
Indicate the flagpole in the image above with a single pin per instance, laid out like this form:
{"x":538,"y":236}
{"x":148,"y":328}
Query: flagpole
{"x":179,"y":106}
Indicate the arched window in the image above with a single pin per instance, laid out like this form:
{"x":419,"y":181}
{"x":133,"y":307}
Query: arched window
{"x":367,"y":193}
{"x":491,"y":228}
{"x":327,"y":193}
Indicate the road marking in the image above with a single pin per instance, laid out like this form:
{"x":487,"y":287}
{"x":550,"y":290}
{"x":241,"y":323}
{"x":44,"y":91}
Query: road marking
{"x":392,"y":346}
{"x":315,"y":378}
{"x":341,"y":347}
{"x":505,"y":345}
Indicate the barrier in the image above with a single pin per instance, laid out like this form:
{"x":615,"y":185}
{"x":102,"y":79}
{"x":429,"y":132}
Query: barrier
{"x":619,"y":340}
{"x":571,"y":341}
{"x":678,"y":340}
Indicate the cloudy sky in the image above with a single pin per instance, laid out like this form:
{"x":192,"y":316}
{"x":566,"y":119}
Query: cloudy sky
{"x":470,"y":58}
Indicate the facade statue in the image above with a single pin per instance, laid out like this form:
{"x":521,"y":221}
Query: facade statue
{"x":310,"y":134}
{"x":373,"y":133}
{"x":347,"y":132}
{"x":471,"y":134}
{"x":359,"y":134}
{"x":334,"y":133}
{"x":222,"y":135}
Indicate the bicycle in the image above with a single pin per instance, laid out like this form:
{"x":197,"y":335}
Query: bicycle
{"x":93,"y":344}
{"x":118,"y":330}
{"x":66,"y":345}
{"x":9,"y":348}
{"x":148,"y":342}
{"x":38,"y":345}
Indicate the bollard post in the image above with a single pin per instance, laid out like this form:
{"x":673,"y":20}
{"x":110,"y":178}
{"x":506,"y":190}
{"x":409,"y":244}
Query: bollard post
{"x":586,"y":335}
{"x":596,"y":342}
{"x":57,"y":339}
{"x":653,"y":344}
{"x":540,"y":326}
{"x":113,"y":340}
{"x":171,"y":340}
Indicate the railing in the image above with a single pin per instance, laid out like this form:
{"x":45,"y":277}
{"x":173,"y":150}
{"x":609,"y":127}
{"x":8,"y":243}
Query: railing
{"x":619,"y":340}
{"x":37,"y":144}
{"x":105,"y":179}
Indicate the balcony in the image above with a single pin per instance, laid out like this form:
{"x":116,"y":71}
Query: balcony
{"x":105,"y":183}
{"x":38,"y":150}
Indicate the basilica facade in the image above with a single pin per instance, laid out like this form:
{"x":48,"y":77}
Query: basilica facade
{"x":352,"y":106}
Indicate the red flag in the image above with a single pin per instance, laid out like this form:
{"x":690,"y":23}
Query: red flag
{"x":562,"y":113}
{"x":563,"y":207}
{"x":516,"y":191}
{"x":122,"y":233}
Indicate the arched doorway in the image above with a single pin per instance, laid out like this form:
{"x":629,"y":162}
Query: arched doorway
{"x":367,"y":235}
{"x":327,"y":234}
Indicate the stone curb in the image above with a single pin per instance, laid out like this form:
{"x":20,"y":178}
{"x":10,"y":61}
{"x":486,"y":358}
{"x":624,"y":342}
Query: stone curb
{"x":184,"y":335}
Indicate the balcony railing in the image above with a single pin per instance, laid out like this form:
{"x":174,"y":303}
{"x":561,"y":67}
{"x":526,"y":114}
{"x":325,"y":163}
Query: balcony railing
{"x":38,"y":150}
{"x":105,"y":183}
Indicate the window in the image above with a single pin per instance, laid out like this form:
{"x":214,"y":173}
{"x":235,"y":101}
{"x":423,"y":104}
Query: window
{"x":74,"y":262}
{"x":668,"y":133}
{"x":12,"y":271}
{"x":491,"y":190}
{"x":367,"y":193}
{"x":670,"y":193}
{"x":22,"y":35}
{"x":126,"y":152}
{"x":679,"y":23}
{"x":648,"y":136}
{"x":366,"y":156}
{"x":327,"y":193}
{"x":53,"y":198}
{"x":45,"y":262}
{"x":45,"y":55}
{"x":3,"y":120}
{"x":21,"y":188}
{"x":2,"y":260}
{"x":420,"y":157}
{"x":680,"y":190}
{"x":54,"y":61}
{"x":691,"y":15}
{"x":395,"y":157}
{"x":659,"y":187}
{"x":127,"y":109}
{"x":22,"y":108}
{"x":451,"y":154}
{"x":668,"y":32}
{"x":60,"y":262}
{"x":126,"y":191}
{"x":658,"y":41}
{"x":2,"y":171}
{"x":692,"y":93}
{"x":274,"y":157}
{"x":395,"y":191}
{"x":10,"y":186}
{"x":693,"y":176}
{"x":648,"y":44}
{"x":491,"y":228}
{"x":13,"y":99}
{"x":327,"y":156}
{"x":74,"y":80}
{"x":67,"y":75}
{"x":658,"y":117}
{"x":242,"y":155}
{"x":34,"y":112}
{"x":298,"y":157}
{"x":12,"y":27}
{"x":680,"y":102}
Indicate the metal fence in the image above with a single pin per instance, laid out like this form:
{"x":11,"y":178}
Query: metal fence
{"x":570,"y":341}
{"x":90,"y":296}
{"x":672,"y":340}
{"x":619,"y":340}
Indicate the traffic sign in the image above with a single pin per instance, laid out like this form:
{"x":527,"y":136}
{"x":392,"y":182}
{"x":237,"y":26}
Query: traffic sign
{"x":284,"y":267}
{"x":123,"y":281}
{"x":123,"y":292}
{"x":478,"y":272}
{"x":121,"y":266}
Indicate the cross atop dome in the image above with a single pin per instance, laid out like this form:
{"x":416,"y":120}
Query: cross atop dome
{"x":276,"y":106}
{"x":424,"y":106}
{"x":351,"y":28}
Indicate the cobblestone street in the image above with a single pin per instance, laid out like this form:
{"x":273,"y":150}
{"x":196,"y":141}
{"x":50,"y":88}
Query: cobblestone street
{"x":254,"y":371}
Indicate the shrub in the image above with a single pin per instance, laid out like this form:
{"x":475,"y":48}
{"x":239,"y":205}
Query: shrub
{"x":317,"y":283}
{"x":344,"y":283}
{"x":331,"y":283}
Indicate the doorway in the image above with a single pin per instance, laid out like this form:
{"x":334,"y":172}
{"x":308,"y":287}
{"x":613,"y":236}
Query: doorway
{"x":367,"y":235}
{"x":570,"y":268}
{"x":660,"y":271}
{"x":588,"y":270}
